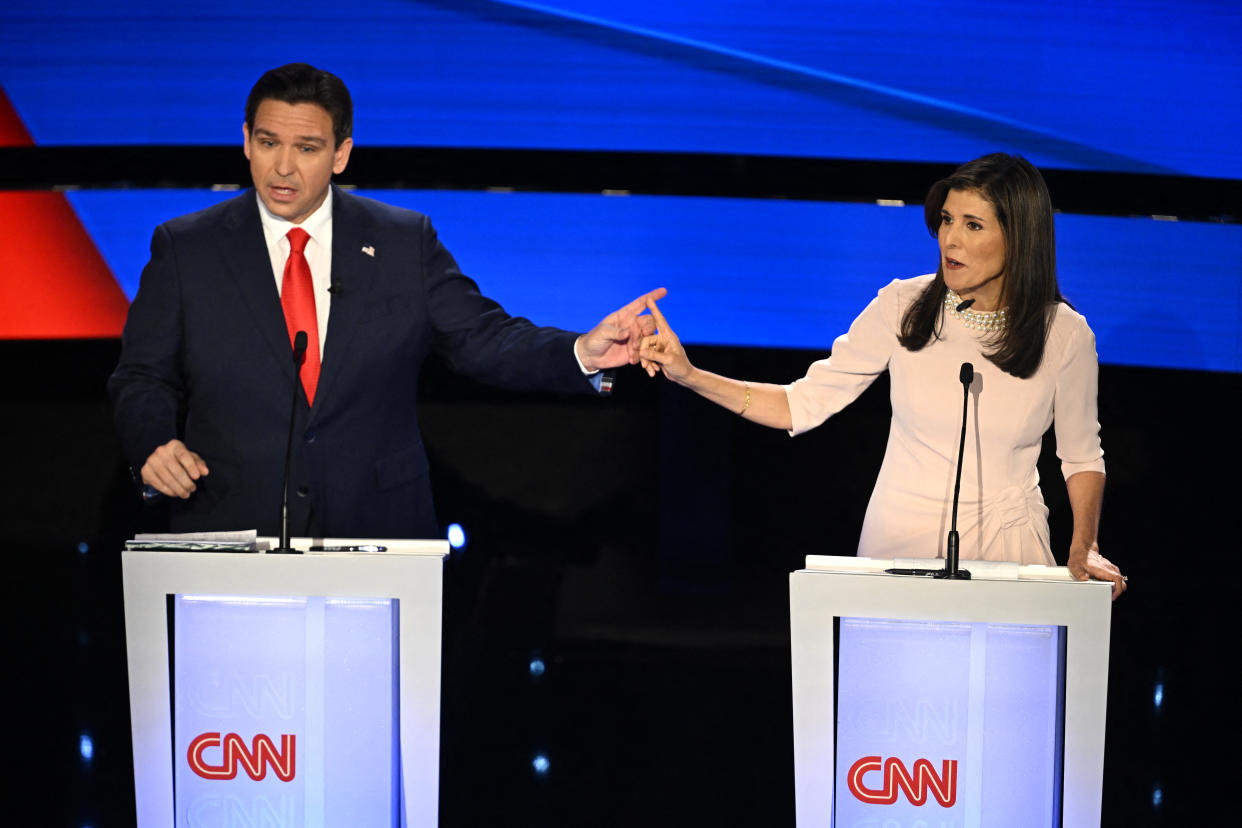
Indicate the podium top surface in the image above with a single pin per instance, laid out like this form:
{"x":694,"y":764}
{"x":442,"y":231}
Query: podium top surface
{"x":979,"y":570}
{"x":409,"y":570}
{"x":327,"y":547}
{"x":997,"y":593}
{"x":367,"y":546}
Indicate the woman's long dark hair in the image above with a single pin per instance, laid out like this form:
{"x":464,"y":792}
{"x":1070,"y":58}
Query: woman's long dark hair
{"x":1017,"y":193}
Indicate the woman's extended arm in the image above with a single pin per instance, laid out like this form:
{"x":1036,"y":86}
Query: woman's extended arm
{"x":762,"y":403}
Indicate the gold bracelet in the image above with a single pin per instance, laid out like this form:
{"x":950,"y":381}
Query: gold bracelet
{"x":742,"y":413}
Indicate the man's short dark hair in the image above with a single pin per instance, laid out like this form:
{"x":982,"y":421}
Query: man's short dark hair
{"x":296,"y":83}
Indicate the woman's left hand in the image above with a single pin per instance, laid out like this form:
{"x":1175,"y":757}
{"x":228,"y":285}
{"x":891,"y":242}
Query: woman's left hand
{"x":1087,"y":562}
{"x":662,"y":350}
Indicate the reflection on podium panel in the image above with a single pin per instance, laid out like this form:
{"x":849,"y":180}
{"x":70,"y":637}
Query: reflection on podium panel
{"x":292,"y":689}
{"x":947,"y":702}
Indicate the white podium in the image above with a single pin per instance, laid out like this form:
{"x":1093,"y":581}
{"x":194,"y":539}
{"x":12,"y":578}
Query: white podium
{"x":938,"y":702}
{"x":286,"y":689}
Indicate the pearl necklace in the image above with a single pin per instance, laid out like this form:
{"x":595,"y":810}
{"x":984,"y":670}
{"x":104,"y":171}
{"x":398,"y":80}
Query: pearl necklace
{"x":986,"y":321}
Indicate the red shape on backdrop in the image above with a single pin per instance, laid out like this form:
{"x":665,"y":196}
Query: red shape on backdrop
{"x":12,"y":131}
{"x":54,"y":284}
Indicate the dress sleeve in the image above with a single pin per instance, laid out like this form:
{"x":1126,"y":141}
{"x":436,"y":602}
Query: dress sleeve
{"x":1076,"y":418}
{"x":858,"y":357}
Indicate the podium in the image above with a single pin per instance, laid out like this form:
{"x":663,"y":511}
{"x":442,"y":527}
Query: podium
{"x":947,"y":702}
{"x":286,"y":689}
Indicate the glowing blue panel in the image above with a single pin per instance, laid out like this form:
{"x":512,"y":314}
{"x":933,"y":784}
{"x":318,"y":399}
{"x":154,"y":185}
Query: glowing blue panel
{"x":969,"y":716}
{"x":284,"y":711}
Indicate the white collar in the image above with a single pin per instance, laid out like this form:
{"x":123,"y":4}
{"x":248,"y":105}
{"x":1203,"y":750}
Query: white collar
{"x":276,"y":227}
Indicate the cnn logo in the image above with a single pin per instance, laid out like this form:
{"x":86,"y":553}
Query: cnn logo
{"x":233,"y":751}
{"x":894,"y":776}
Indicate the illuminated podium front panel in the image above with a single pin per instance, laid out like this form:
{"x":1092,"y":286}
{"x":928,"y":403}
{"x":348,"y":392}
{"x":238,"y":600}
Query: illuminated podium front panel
{"x":291,"y":690}
{"x":921,"y":702}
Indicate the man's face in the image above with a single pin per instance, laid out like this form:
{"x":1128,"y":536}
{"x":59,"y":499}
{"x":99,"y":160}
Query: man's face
{"x":292,"y":158}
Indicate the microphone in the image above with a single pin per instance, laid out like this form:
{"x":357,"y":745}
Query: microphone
{"x":299,"y":355}
{"x":338,"y":289}
{"x":963,"y":306}
{"x":951,"y":571}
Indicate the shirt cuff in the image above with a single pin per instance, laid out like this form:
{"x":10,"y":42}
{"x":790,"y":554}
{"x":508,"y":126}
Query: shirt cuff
{"x":582,"y":367}
{"x":601,"y":381}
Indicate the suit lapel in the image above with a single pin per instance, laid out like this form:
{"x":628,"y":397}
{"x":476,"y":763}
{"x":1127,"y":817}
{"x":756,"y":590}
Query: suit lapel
{"x":353,"y":275}
{"x":250,"y":267}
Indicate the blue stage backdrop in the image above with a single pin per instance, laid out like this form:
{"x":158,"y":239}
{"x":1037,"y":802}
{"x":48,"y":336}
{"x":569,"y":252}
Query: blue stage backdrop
{"x":788,"y":274}
{"x":1126,"y":86}
{"x":1150,"y":85}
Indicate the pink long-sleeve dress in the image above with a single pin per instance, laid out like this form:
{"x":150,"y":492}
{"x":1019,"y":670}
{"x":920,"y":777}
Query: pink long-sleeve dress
{"x":1001,"y":514}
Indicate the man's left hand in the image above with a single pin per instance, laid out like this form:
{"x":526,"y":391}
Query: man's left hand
{"x":614,"y":341}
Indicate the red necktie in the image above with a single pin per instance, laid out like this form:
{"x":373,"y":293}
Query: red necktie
{"x":297,"y":297}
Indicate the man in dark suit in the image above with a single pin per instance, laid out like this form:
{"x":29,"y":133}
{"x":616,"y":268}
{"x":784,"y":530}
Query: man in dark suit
{"x":203,"y":389}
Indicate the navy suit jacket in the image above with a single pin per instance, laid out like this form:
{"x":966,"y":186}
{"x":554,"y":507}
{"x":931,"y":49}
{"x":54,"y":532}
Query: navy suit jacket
{"x":206,"y":358}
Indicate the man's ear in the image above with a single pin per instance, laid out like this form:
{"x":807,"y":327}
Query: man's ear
{"x":246,"y":139}
{"x":341,"y":156}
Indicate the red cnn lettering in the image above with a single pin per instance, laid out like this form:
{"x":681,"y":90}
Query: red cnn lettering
{"x":254,"y":760}
{"x":914,"y":785}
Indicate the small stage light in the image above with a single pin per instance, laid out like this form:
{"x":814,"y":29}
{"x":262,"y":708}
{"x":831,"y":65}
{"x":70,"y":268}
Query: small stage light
{"x":456,"y":536}
{"x":541,"y":764}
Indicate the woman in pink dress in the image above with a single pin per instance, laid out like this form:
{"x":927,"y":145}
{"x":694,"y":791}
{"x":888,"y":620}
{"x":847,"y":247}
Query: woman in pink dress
{"x":993,"y":302}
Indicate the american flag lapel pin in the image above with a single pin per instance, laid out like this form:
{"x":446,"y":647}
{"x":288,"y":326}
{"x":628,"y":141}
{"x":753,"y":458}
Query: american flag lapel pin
{"x":369,"y":250}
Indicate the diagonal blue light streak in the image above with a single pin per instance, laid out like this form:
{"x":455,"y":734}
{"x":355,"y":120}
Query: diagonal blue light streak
{"x":1076,"y":147}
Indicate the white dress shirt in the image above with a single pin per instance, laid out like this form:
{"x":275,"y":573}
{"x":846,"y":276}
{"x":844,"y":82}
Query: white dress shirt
{"x":318,"y":255}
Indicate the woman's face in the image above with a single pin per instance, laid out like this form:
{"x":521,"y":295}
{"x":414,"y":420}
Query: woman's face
{"x":972,"y":249}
